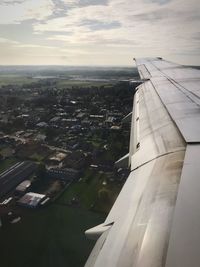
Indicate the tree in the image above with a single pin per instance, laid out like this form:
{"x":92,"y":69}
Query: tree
{"x":41,"y":170}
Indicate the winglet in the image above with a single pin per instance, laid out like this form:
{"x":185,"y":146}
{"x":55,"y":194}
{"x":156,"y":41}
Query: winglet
{"x":95,"y":232}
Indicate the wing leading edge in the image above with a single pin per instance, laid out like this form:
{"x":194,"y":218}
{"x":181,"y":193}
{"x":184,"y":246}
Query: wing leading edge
{"x":143,"y":227}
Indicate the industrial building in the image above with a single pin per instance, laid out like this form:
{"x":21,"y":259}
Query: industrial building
{"x":31,"y":200}
{"x":10,"y":178}
{"x":22,"y":187}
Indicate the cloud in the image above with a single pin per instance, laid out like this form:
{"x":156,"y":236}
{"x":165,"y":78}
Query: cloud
{"x":109,"y":29}
{"x":95,"y":25}
{"x":7,"y":41}
{"x":145,"y":22}
{"x":11,"y":2}
{"x":160,"y":2}
{"x":13,"y":12}
{"x":82,"y":3}
{"x":92,"y":2}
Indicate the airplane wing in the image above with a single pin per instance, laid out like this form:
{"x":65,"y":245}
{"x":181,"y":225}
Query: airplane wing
{"x":155,"y":220}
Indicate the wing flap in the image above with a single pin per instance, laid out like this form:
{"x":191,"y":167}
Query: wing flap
{"x":142,"y":216}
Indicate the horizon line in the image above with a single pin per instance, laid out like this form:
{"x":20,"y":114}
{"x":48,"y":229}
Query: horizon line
{"x":61,"y":65}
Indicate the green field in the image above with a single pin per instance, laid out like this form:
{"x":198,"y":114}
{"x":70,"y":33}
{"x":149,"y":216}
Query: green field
{"x":15,"y":79}
{"x":53,"y":236}
{"x":87,"y":191}
{"x":80,"y":83}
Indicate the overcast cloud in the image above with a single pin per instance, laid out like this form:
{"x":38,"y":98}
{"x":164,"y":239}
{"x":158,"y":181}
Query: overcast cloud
{"x":98,"y":32}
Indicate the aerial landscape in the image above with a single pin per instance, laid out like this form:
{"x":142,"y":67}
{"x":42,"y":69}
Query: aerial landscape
{"x":99,"y":133}
{"x":61,"y":133}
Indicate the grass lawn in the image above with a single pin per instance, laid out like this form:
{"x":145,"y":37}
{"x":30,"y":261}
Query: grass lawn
{"x":37,"y":157}
{"x":87,"y":192}
{"x":53,"y":236}
{"x":15,"y":80}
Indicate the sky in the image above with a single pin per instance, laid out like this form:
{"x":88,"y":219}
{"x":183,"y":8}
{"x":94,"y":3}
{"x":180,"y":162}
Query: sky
{"x":98,"y":32}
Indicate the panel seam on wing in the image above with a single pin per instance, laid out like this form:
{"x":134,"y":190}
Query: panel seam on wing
{"x":159,"y":156}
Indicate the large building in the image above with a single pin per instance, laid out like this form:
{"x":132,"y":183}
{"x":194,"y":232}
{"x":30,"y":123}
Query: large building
{"x":10,"y":178}
{"x":31,"y":200}
{"x":23,"y":187}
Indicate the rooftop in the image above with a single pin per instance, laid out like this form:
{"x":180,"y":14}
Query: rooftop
{"x":31,"y":199}
{"x":23,"y":186}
